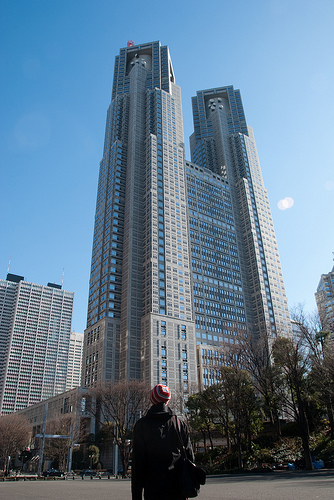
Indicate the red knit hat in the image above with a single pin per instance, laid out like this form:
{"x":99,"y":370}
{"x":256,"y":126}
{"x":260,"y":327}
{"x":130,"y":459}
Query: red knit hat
{"x":160,"y":394}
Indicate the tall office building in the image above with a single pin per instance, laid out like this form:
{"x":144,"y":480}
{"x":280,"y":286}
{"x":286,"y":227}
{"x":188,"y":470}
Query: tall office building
{"x":35,"y":328}
{"x":325,"y":301}
{"x":140,"y":320}
{"x":237,"y":238}
{"x":184,"y":253}
{"x":74,"y":366}
{"x":237,"y":277}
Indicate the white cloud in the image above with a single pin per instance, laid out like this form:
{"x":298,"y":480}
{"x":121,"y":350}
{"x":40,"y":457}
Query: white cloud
{"x":285,"y":203}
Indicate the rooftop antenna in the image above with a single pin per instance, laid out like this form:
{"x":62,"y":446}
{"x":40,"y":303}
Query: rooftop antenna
{"x":10,"y":258}
{"x":62,"y":279}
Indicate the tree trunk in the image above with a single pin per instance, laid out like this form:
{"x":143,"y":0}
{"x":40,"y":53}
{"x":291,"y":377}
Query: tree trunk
{"x":240,"y":464}
{"x":277,"y":424}
{"x":307,"y":452}
{"x":210,"y":438}
{"x":305,"y":435}
{"x":204,"y":439}
{"x":330,"y":413}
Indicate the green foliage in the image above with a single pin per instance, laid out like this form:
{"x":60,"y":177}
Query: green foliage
{"x":232,"y":407}
{"x":218,"y":460}
{"x":107,"y":433}
{"x":93,"y":454}
{"x":290,"y":429}
{"x":287,"y":450}
{"x":323,"y":445}
{"x":284,"y":451}
{"x":290,"y":377}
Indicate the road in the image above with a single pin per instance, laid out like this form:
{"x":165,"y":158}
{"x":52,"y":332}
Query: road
{"x":294,"y":485}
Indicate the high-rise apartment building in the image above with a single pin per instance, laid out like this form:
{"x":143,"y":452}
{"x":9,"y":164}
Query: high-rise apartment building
{"x":184,"y":253}
{"x":325,"y":301}
{"x":35,"y":329}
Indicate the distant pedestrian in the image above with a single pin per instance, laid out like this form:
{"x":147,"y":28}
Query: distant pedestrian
{"x":156,"y":450}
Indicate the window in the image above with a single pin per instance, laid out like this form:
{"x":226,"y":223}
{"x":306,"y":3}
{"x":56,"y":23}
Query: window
{"x":183,"y":332}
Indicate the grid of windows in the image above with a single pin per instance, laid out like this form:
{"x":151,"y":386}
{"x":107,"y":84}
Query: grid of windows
{"x":38,"y":340}
{"x":186,"y":246}
{"x":325,"y":301}
{"x":219,"y":121}
{"x":217,"y":284}
{"x":141,"y":267}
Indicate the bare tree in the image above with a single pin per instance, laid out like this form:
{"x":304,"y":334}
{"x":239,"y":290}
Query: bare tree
{"x":118,"y":406}
{"x":57,"y":449}
{"x":179,"y":399}
{"x":15,"y":434}
{"x":255,"y":356}
{"x":294,"y":362}
{"x":319,"y":346}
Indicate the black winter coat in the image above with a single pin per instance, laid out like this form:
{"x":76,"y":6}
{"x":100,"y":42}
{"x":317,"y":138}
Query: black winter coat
{"x":155,"y":451}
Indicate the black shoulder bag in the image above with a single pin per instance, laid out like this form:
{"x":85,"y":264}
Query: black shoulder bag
{"x":190,"y":477}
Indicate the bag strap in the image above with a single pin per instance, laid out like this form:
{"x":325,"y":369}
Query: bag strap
{"x":177,"y":428}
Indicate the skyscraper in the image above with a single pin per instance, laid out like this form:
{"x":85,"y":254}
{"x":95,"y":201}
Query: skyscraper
{"x":74,"y":366}
{"x":237,"y":238}
{"x":35,"y":328}
{"x":184,"y":253}
{"x":140,"y":317}
{"x":325,"y":301}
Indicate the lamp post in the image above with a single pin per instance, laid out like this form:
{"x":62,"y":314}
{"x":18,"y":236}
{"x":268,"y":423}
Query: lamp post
{"x":116,"y":453}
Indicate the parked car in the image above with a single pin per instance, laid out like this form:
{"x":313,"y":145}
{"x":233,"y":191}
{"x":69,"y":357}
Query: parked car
{"x":53,"y":473}
{"x":88,"y":472}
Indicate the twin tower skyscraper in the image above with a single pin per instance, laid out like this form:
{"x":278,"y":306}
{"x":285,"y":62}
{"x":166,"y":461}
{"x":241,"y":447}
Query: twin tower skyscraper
{"x":184,"y":253}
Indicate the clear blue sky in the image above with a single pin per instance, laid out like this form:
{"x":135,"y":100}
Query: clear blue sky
{"x":57,"y":60}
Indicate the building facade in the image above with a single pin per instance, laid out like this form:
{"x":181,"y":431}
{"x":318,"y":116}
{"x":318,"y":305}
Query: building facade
{"x":324,"y":297}
{"x":184,"y":253}
{"x":74,"y":366}
{"x":67,"y":413}
{"x":35,"y":329}
{"x":72,"y":403}
{"x":140,"y":322}
{"x":238,"y":246}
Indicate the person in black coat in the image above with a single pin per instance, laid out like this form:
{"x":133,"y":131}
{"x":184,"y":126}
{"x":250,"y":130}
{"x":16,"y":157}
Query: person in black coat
{"x":156,"y":449}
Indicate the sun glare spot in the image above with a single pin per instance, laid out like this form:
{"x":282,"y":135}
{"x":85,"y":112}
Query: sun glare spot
{"x":285,"y":203}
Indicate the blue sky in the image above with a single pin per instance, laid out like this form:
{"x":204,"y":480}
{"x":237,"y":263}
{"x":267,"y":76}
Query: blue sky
{"x":57,"y":60}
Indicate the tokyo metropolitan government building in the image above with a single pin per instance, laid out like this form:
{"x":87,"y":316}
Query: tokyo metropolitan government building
{"x":184,"y":253}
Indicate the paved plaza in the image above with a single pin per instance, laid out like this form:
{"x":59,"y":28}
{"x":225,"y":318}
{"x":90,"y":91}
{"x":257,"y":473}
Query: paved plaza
{"x":296,"y":485}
